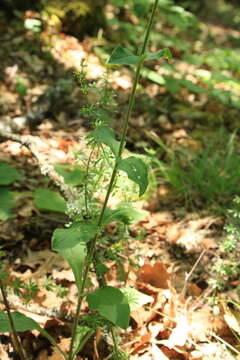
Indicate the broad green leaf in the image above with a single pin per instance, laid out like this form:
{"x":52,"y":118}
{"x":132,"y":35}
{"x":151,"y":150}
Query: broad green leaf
{"x":7,"y":201}
{"x":73,"y":175}
{"x":125,"y":213}
{"x":136,"y":298}
{"x":123,"y":56}
{"x":103,"y":134}
{"x":79,"y":232}
{"x":8,"y":174}
{"x":49,"y":200}
{"x":136,"y":170}
{"x":111,"y":304}
{"x":71,"y":245}
{"x":164,"y":53}
{"x":22,"y":323}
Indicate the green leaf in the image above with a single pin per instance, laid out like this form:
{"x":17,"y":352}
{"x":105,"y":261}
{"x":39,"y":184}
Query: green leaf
{"x":164,"y":53}
{"x":83,"y":333}
{"x":136,"y":298}
{"x":21,"y":87}
{"x":71,"y":245}
{"x":136,"y":170}
{"x":111,"y":304}
{"x":153,"y":76}
{"x":79,"y":232}
{"x":8,"y":174}
{"x":125,"y":213}
{"x":172,"y":84}
{"x":49,"y":200}
{"x":103,"y":134}
{"x":22,"y":323}
{"x":192,"y":87}
{"x":73,"y":175}
{"x":123,"y":56}
{"x":141,"y":7}
{"x":7,"y":201}
{"x":33,"y":24}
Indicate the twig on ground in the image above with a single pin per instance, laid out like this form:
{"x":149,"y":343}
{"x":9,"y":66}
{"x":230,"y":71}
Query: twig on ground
{"x":188,"y":275}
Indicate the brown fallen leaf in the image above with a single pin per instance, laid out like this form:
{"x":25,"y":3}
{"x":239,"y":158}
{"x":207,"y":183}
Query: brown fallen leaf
{"x":156,"y":275}
{"x":142,"y":343}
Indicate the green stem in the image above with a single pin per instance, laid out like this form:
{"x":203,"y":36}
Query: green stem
{"x":112,"y":180}
{"x":15,"y":339}
{"x":85,"y":186}
{"x":149,"y":26}
{"x":53,"y":342}
{"x":115,"y":347}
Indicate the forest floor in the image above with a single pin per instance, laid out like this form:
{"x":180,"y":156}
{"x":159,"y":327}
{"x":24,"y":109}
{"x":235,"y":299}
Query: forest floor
{"x":40,"y":102}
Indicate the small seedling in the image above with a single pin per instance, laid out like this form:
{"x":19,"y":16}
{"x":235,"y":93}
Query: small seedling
{"x":226,"y":267}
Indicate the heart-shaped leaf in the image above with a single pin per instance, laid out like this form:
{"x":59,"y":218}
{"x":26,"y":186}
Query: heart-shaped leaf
{"x":103,"y":134}
{"x":136,"y":170}
{"x":125,"y":213}
{"x":49,"y":200}
{"x":111,"y":304}
{"x":71,"y":244}
{"x":123,"y":56}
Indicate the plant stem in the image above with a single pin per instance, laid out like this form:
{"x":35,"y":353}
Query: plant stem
{"x":115,"y":347}
{"x":149,"y":27}
{"x":53,"y":342}
{"x":85,"y":186}
{"x":112,"y":180}
{"x":15,"y":339}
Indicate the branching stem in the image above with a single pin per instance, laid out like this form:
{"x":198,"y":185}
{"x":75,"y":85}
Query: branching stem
{"x":112,"y":180}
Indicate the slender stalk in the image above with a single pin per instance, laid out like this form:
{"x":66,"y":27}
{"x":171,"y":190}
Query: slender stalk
{"x":115,"y":347}
{"x":15,"y":339}
{"x":149,"y":27}
{"x":85,"y":186}
{"x":53,"y":342}
{"x":188,"y":276}
{"x":112,"y":180}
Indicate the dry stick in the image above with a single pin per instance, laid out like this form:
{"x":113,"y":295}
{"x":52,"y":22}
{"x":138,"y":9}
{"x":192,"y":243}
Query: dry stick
{"x":15,"y":340}
{"x":112,"y":180}
{"x":188,"y":275}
